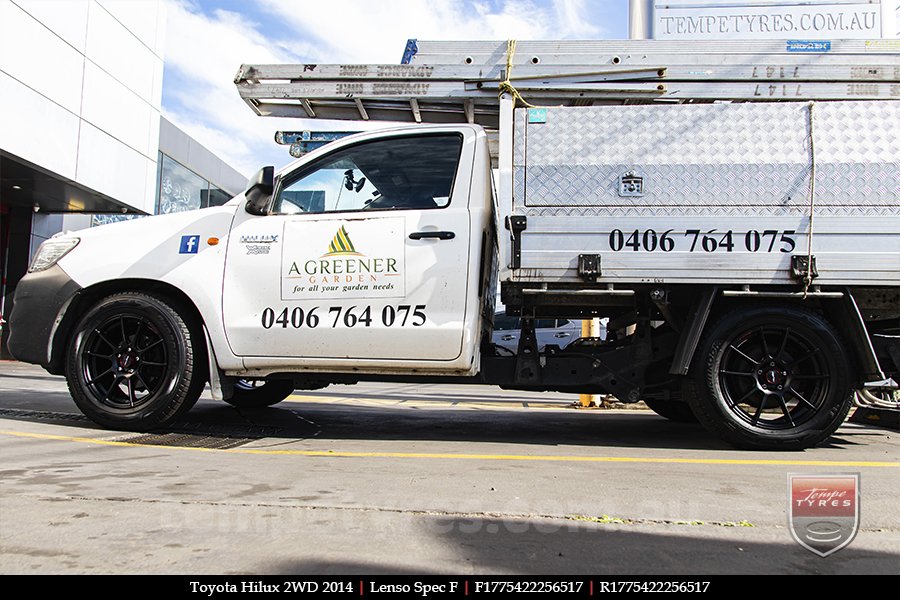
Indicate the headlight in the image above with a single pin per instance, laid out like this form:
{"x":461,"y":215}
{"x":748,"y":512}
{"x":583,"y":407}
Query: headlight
{"x":51,"y":251}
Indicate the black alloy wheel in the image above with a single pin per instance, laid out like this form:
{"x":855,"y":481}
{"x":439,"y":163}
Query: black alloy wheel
{"x":124,"y":361}
{"x":772,"y":379}
{"x":775,"y":378}
{"x":134,"y":363}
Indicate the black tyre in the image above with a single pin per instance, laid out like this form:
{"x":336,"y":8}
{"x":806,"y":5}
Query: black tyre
{"x":259,"y":394}
{"x":134,"y":363}
{"x":673,"y":410}
{"x":773,"y":378}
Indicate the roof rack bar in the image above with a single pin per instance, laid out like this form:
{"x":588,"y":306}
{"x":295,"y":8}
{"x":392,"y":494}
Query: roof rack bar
{"x":587,"y":51}
{"x":362,"y":109}
{"x":459,"y":82}
{"x":876,"y":67}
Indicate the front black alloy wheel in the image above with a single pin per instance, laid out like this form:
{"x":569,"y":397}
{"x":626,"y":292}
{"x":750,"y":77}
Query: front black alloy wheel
{"x":135,"y":363}
{"x":773,"y":379}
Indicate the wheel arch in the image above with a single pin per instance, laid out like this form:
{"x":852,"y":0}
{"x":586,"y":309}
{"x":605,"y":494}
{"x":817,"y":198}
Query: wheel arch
{"x":842,"y":313}
{"x":89,"y":296}
{"x":845,"y":315}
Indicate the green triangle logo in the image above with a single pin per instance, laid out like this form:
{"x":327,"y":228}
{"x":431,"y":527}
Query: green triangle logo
{"x":341,"y":243}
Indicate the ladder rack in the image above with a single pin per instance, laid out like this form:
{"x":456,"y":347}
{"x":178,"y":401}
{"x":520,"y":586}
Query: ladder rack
{"x":451,"y":82}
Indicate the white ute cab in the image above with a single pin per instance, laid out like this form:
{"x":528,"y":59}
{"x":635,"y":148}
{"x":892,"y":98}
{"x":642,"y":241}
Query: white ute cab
{"x":354,"y":259}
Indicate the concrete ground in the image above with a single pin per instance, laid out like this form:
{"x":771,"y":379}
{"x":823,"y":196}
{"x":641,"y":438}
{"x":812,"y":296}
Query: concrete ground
{"x":388,"y":478}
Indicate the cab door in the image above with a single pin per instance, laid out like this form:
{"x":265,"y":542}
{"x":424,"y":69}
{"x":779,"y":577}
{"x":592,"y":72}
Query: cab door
{"x":365,"y":259}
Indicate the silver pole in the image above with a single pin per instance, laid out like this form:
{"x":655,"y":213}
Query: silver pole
{"x":640,"y":19}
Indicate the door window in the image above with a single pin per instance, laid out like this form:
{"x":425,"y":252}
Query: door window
{"x":413,"y":172}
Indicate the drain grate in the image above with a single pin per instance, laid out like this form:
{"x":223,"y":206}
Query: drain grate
{"x":185,"y":440}
{"x":247,"y":430}
{"x":190,"y":434}
{"x":43,"y":415}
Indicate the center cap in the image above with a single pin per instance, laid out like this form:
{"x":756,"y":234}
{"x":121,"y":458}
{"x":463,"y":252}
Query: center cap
{"x":774,"y":377}
{"x":126,"y":361}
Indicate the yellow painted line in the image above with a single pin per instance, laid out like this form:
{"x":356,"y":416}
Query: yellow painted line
{"x":441,"y":455}
{"x":422,"y":403}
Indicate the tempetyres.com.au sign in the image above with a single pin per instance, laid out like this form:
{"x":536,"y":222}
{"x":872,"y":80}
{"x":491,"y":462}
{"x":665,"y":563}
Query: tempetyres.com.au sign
{"x":742,"y":19}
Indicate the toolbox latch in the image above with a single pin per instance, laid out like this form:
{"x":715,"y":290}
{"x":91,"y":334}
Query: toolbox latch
{"x":589,"y":266}
{"x":631,"y":184}
{"x":800,"y":267}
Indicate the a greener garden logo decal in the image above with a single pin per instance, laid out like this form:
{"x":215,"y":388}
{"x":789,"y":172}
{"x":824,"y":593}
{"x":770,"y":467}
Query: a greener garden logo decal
{"x":823,"y":511}
{"x":344,"y":259}
{"x":341,"y":244}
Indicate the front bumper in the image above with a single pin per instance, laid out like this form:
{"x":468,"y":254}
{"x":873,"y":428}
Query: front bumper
{"x":36,"y":313}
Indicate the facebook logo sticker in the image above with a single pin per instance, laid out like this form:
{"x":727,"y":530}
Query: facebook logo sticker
{"x":190,"y":244}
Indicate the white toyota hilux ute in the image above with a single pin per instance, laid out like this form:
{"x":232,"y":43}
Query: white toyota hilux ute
{"x":377,"y":257}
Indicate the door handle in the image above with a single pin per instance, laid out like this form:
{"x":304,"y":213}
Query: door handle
{"x":441,"y":235}
{"x":507,"y":337}
{"x":561,"y":334}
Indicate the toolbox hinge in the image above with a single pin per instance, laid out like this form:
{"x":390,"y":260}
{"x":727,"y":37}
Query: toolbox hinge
{"x":516,"y":224}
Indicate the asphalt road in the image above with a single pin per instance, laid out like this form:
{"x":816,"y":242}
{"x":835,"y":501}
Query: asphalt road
{"x":414,"y":479}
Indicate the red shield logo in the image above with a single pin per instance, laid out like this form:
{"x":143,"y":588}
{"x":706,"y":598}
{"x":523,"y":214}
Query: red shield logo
{"x":823,"y":511}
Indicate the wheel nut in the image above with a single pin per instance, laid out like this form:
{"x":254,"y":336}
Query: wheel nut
{"x":771,"y":364}
{"x":759,"y":372}
{"x":780,"y":386}
{"x":765,"y":387}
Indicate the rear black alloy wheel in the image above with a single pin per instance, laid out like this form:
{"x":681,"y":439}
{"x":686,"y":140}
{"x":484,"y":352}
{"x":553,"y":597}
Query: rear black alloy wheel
{"x":133,"y":363}
{"x":252,"y":393}
{"x":774,"y":379}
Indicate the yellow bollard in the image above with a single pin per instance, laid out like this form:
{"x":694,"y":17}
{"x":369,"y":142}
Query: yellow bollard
{"x":589,"y":328}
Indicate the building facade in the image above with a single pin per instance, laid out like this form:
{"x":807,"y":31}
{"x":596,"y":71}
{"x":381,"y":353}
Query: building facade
{"x":81,"y":131}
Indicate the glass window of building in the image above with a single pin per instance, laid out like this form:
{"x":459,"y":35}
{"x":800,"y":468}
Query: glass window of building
{"x":180,"y":188}
{"x":217,"y":197}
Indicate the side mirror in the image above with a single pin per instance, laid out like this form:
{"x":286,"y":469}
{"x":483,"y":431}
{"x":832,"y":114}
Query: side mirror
{"x":259,"y":189}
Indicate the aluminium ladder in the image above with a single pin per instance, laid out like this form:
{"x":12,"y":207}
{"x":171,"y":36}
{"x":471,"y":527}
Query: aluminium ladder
{"x":458,"y":82}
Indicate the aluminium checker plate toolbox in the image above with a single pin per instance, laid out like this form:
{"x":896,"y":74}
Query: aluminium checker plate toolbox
{"x":612,"y":180}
